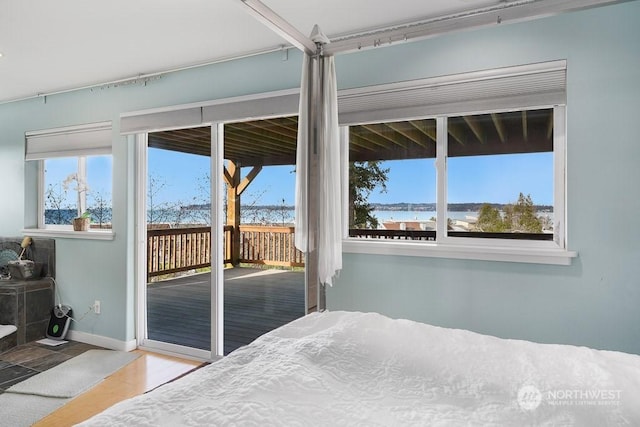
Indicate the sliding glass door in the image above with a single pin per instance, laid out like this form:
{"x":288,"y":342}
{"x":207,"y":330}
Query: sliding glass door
{"x":178,"y":241}
{"x":216,"y":263}
{"x":264,"y":279}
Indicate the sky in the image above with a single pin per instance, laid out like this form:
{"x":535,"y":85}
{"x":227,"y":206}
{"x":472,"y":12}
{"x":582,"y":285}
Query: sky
{"x":183,"y":178}
{"x":496,"y":179}
{"x":99,"y":179}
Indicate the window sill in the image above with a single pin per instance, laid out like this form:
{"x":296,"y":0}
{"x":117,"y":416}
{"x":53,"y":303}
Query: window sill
{"x":552,"y":256}
{"x":70,"y":234}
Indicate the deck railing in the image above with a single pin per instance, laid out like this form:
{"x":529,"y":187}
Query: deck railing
{"x":269,"y":246}
{"x":393,"y":234}
{"x":177,"y":249}
{"x":172,"y":250}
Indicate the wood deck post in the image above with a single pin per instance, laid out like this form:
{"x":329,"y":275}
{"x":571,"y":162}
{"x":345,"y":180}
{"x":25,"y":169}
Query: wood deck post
{"x":235,"y":187}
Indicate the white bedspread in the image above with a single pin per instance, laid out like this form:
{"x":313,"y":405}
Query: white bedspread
{"x":340,"y":368}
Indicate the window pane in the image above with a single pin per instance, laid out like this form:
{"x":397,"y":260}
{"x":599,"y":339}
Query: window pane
{"x":392,"y":180}
{"x":500,"y":175}
{"x":60,"y":198}
{"x":99,"y":182}
{"x":65,"y":185}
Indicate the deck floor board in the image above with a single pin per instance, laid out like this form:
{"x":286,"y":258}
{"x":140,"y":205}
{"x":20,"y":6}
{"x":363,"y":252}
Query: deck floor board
{"x":255,"y":302}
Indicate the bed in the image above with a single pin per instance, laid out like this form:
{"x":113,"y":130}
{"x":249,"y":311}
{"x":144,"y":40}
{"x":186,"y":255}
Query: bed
{"x":345,"y":368}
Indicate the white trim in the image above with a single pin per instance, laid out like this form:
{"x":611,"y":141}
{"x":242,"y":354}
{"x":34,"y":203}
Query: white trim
{"x":344,"y":168}
{"x":178,"y":351}
{"x":441,"y":171}
{"x":140,"y":249}
{"x":41,"y":203}
{"x":465,"y":252}
{"x":560,"y":175}
{"x":102,"y":341}
{"x":217,"y":249}
{"x":69,"y":233}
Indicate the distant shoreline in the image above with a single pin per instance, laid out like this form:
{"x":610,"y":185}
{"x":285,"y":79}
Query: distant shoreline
{"x":392,"y":207}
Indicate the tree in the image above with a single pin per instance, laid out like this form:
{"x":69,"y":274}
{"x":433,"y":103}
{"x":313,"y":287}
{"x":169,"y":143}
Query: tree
{"x":490,"y":220}
{"x":522,"y":216}
{"x":159,"y":213}
{"x":364,"y":177}
{"x":54,"y":209}
{"x":100,"y":209}
{"x":519,"y":217}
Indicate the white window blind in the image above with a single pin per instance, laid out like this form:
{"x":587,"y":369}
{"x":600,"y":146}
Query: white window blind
{"x":245,"y":108}
{"x":271,"y":104}
{"x":73,"y":141}
{"x":542,"y":84}
{"x":153,"y":121}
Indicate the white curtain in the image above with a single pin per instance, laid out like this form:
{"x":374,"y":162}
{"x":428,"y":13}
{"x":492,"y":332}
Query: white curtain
{"x":319,"y":112}
{"x":302,"y":160}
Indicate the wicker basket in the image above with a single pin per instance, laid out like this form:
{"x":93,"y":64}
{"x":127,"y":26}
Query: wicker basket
{"x":80,"y":224}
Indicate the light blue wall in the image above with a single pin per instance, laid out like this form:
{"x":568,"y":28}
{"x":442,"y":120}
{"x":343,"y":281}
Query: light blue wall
{"x":596,"y":300}
{"x":593,"y":302}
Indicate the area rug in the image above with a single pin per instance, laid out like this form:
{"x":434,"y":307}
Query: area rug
{"x":28,"y":401}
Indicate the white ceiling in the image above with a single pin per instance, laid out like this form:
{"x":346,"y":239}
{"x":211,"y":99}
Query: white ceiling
{"x":50,"y":46}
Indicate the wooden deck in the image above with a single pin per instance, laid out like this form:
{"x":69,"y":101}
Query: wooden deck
{"x":255,"y":302}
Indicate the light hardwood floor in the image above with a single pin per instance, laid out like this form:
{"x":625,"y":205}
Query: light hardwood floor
{"x":145,"y":373}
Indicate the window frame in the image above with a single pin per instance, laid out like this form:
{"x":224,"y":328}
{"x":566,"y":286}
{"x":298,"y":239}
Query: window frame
{"x":473,"y":248}
{"x":53,"y":143}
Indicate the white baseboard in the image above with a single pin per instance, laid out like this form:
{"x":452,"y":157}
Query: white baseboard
{"x":102,"y":341}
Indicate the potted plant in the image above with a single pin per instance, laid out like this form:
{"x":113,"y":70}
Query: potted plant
{"x":82,"y":220}
{"x":81,"y":223}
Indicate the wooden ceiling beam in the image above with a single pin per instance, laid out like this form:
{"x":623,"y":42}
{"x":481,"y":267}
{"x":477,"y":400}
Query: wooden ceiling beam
{"x":427,"y":127}
{"x":456,"y":132}
{"x":476,"y":128}
{"x":246,"y":141}
{"x":499,"y":125}
{"x":382,"y":130}
{"x":264,"y":129}
{"x":250,"y":136}
{"x":286,"y":129}
{"x":367,"y":138}
{"x":410,"y":132}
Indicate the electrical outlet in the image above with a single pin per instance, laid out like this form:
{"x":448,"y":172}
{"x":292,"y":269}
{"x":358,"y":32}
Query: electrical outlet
{"x":96,"y":306}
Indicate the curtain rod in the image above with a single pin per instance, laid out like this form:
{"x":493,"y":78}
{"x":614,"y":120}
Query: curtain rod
{"x":505,"y":11}
{"x":144,"y":78}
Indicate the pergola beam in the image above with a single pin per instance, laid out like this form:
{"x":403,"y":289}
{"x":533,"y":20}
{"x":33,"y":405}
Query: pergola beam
{"x":248,"y":179}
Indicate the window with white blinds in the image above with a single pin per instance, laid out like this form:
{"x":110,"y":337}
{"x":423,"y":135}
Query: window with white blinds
{"x":74,"y":178}
{"x":463,"y":166}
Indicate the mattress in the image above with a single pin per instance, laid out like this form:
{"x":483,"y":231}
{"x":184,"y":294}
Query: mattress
{"x":345,"y":368}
